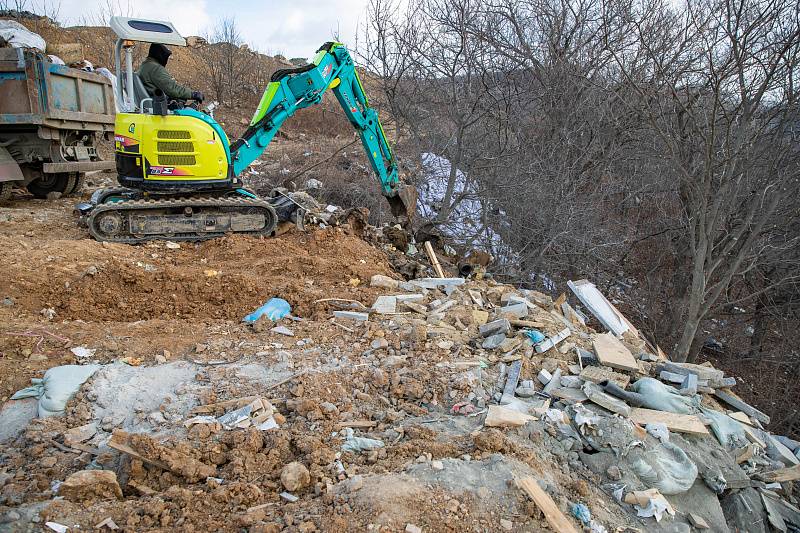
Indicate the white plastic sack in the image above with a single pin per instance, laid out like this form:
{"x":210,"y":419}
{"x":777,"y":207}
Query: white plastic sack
{"x":729,"y":432}
{"x":110,"y":75}
{"x":661,"y":397}
{"x":18,"y":36}
{"x":55,"y":60}
{"x":55,"y":389}
{"x":666,"y":468}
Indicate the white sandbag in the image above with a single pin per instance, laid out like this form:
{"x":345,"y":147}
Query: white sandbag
{"x":18,"y":36}
{"x":56,"y":60}
{"x":55,"y":389}
{"x":661,"y":397}
{"x":666,"y":468}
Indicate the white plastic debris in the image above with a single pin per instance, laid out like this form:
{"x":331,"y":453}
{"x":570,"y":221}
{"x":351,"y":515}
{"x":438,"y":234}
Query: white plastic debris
{"x":18,"y":36}
{"x":359,"y":444}
{"x":55,"y":526}
{"x":83,"y":351}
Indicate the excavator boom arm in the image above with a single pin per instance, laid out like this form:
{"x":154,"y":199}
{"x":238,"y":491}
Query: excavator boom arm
{"x":292,"y":89}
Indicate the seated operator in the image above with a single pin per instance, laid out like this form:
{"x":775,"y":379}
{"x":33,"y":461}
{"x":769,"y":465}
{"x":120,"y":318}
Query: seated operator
{"x":154,"y":75}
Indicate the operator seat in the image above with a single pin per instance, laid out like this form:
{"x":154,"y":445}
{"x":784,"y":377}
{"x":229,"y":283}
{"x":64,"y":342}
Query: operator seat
{"x":139,"y":90}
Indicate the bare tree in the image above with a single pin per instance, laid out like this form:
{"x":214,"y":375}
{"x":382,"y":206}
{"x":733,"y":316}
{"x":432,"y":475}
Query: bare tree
{"x":720,"y":100}
{"x":227,"y":60}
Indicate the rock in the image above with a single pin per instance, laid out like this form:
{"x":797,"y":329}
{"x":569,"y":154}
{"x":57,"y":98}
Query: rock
{"x":160,"y":359}
{"x":614,"y":473}
{"x":437,"y":465}
{"x":379,"y":344}
{"x":8,"y":301}
{"x":445,"y":345}
{"x":11,"y":516}
{"x":411,"y":528}
{"x":479,"y":318}
{"x":525,"y":392}
{"x":48,"y":462}
{"x":493,"y":342}
{"x":508,"y":525}
{"x":282,"y":330}
{"x":386,"y":282}
{"x":5,"y":477}
{"x":262,"y":324}
{"x":351,"y":315}
{"x":79,"y":434}
{"x":295,"y":476}
{"x":90,"y":485}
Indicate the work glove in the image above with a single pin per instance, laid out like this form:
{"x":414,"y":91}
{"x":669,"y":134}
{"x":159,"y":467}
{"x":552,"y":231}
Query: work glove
{"x":197,"y":95}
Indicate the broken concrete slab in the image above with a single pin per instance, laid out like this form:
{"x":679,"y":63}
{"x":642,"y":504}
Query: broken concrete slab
{"x":435,"y":283}
{"x":511,"y":383}
{"x":516,"y":311}
{"x":611,"y":352}
{"x":493,"y":342}
{"x":596,"y":395}
{"x":554,"y":383}
{"x":351,"y":315}
{"x":495,"y":327}
{"x":552,"y":341}
{"x":385,"y":305}
{"x":598,"y":374}
{"x":737,"y":403}
{"x":379,"y":280}
{"x":689,"y":385}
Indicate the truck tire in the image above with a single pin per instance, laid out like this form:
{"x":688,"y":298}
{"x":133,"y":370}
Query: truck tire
{"x":78,"y":187}
{"x":47,"y":183}
{"x":5,"y":190}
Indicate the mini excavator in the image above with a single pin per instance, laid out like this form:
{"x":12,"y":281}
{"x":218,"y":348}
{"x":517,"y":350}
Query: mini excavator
{"x":180,"y":175}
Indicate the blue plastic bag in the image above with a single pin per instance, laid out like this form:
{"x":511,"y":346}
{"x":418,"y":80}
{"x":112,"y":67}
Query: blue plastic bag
{"x":582,"y":513}
{"x":534,"y":335}
{"x":275,"y":309}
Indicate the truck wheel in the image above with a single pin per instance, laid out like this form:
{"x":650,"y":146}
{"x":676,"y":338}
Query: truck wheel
{"x":5,"y":190}
{"x":80,"y":178}
{"x":41,"y":187}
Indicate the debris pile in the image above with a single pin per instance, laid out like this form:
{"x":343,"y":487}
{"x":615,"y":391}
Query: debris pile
{"x":427,"y":404}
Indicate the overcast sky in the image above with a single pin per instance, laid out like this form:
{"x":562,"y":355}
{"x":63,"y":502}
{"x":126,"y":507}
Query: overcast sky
{"x":294,"y":28}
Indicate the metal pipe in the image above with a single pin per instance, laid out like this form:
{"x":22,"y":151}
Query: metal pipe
{"x":465,"y":269}
{"x":118,"y":66}
{"x":129,"y":75}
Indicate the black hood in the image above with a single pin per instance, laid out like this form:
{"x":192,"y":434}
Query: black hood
{"x":160,"y":53}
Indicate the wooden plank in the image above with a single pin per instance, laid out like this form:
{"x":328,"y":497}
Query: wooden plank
{"x":357,"y":424}
{"x":735,"y":402}
{"x":433,"y":259}
{"x":611,"y":352}
{"x":679,"y":423}
{"x":557,"y":520}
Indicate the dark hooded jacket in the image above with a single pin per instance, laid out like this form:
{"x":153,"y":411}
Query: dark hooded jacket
{"x":154,"y":75}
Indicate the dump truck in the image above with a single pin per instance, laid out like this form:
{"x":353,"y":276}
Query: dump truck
{"x":50,"y":119}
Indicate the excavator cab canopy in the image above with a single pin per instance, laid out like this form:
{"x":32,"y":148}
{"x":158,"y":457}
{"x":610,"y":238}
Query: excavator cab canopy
{"x":129,"y":30}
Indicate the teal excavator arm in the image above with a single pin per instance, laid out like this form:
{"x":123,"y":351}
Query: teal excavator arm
{"x":298,"y":88}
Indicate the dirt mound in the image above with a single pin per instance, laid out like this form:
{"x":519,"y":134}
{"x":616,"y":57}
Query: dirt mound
{"x":222,"y":279}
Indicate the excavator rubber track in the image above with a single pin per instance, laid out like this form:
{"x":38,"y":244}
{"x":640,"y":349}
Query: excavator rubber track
{"x":187,"y":218}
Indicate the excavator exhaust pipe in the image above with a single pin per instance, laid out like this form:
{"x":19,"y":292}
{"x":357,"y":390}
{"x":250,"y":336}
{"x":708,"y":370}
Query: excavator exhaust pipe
{"x":404,"y":204}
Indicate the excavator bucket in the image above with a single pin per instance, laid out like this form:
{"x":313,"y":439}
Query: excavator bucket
{"x":404,"y":204}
